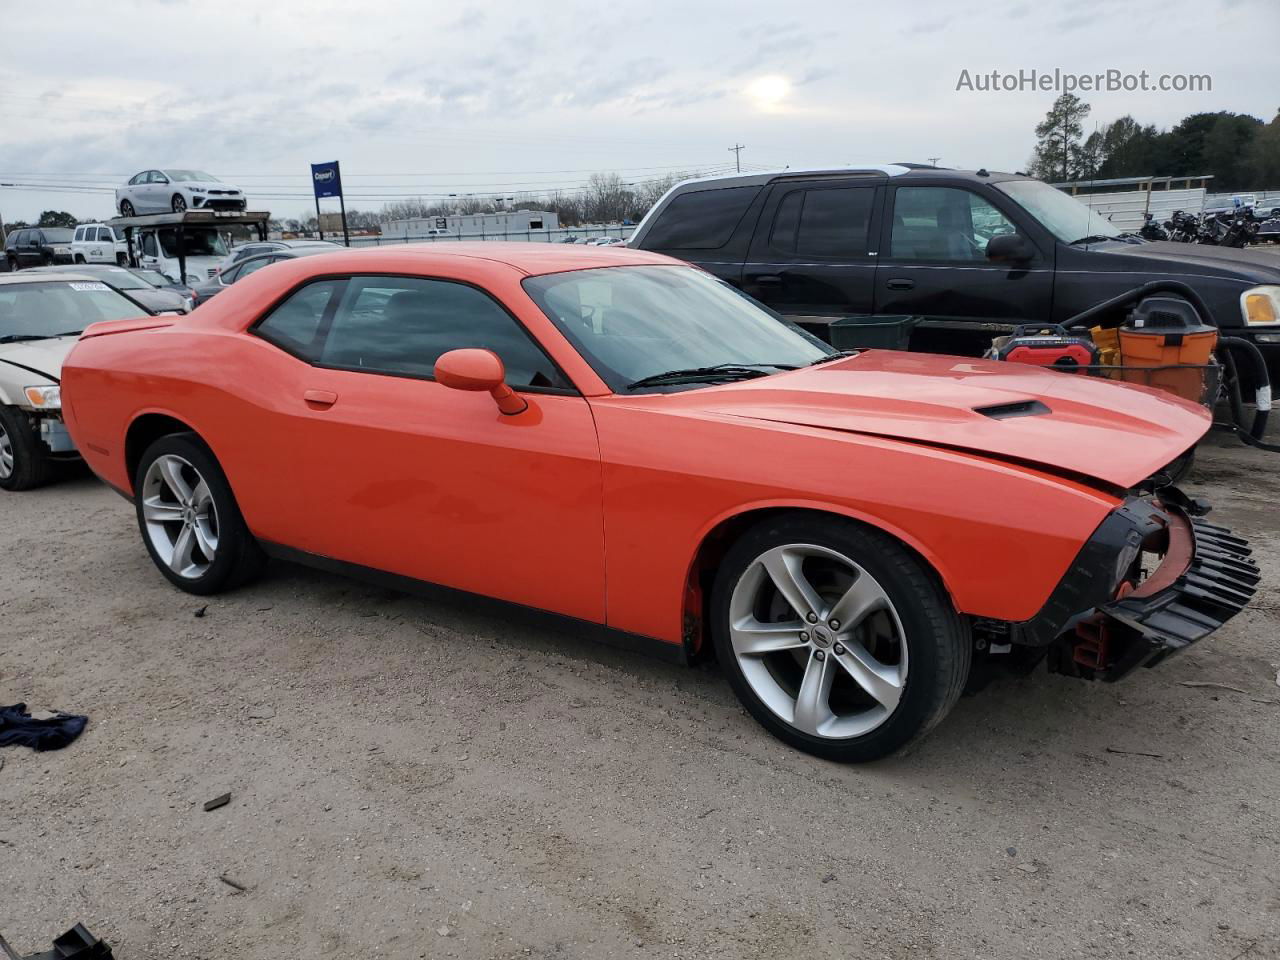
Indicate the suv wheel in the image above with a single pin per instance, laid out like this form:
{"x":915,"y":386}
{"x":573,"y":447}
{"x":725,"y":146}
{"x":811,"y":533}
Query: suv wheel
{"x":13,"y":263}
{"x":189,"y":519}
{"x":24,"y":463}
{"x":835,"y":638}
{"x":178,"y":203}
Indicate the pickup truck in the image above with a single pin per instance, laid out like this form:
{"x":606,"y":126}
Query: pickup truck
{"x":973,"y":252}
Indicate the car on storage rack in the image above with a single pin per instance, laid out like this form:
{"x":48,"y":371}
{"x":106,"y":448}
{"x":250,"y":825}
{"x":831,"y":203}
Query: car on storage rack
{"x":975,"y":253}
{"x":41,"y":315}
{"x":37,"y":247}
{"x":176,"y":191}
{"x":533,"y":421}
{"x":99,"y":243}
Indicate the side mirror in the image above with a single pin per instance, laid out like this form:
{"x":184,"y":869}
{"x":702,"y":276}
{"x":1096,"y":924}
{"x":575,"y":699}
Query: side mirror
{"x":1010,"y":248}
{"x":475,"y":369}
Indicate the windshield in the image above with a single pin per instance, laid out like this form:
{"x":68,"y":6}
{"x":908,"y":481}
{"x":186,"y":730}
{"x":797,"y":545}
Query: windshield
{"x":186,"y":175}
{"x":200,"y":243}
{"x":630,"y":323}
{"x":123,"y":279}
{"x":59,"y":307}
{"x":58,"y":234}
{"x":1061,"y":214}
{"x":153,"y":277}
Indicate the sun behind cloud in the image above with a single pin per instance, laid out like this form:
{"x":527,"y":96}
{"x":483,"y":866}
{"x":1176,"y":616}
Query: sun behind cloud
{"x":768,"y":92}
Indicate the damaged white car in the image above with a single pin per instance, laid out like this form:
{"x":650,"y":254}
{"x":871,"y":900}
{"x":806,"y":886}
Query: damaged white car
{"x":41,"y":316}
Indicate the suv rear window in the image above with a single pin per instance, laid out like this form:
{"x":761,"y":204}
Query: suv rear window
{"x":703,"y":220}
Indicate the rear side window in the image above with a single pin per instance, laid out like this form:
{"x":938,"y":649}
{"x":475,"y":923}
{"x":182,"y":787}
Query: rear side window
{"x":295,"y":325}
{"x":825,"y":224}
{"x":703,"y":220}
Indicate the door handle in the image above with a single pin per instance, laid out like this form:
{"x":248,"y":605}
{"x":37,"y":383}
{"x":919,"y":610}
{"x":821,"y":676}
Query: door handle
{"x":323,"y":399}
{"x":900,"y":284}
{"x":768,"y":278}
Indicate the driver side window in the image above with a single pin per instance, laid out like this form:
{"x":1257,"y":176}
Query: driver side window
{"x":943,"y":223}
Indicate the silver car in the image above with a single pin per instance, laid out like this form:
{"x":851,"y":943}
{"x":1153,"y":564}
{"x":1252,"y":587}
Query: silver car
{"x":176,"y":191}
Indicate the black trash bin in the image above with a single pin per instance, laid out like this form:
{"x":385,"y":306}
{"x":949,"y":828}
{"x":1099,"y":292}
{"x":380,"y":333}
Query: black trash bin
{"x":886,"y":332}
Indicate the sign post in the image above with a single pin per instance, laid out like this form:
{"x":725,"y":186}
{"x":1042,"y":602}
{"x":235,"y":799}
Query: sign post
{"x":326,"y":178}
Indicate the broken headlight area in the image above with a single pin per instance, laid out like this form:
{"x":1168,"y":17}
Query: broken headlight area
{"x":1153,"y":579}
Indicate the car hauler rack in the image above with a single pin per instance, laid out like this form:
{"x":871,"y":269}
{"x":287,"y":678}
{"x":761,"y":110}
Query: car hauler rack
{"x":180,"y":222}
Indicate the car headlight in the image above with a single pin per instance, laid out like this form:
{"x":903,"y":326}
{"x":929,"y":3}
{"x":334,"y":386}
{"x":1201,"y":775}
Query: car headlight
{"x":44,"y":398}
{"x":1261,"y":305}
{"x":193,"y":279}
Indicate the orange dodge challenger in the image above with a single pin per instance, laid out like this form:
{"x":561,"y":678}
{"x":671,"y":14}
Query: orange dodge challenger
{"x":622,"y":440}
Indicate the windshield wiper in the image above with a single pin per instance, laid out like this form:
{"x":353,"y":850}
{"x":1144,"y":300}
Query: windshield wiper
{"x":838,"y":355}
{"x":1093,"y":238}
{"x":17,"y":337}
{"x":721,"y":371}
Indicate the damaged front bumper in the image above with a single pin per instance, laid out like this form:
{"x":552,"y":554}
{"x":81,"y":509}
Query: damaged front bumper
{"x":1110,"y":614}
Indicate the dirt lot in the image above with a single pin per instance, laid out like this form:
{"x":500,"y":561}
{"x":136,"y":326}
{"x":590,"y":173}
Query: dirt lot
{"x":412,"y":779}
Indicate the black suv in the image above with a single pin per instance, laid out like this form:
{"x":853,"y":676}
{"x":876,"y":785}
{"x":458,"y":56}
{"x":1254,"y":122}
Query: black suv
{"x":971,"y":251}
{"x":38,"y":247}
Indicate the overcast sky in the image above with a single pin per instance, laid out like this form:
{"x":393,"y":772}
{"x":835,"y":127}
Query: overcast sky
{"x":430,"y":98}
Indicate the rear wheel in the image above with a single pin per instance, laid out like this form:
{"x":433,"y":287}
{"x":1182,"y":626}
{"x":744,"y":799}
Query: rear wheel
{"x":13,"y":264}
{"x":836,"y":638}
{"x":189,"y":519}
{"x":178,"y":203}
{"x":126,"y":208}
{"x":24,"y":462}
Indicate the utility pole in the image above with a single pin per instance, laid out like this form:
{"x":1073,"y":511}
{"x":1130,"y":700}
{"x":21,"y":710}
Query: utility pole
{"x":736,"y":150}
{"x":933,"y":160}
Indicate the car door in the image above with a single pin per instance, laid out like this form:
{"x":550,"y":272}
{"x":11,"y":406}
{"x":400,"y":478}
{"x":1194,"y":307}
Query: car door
{"x":933,"y":261}
{"x":812,"y":257}
{"x":395,"y":472}
{"x":32,"y":254}
{"x":153,"y":190}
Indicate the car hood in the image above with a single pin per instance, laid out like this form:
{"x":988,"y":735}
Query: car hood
{"x":20,"y":361}
{"x":1257,"y":265}
{"x":1080,"y":425}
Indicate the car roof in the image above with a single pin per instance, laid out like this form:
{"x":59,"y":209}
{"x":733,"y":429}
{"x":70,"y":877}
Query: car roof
{"x":26,"y":276}
{"x":531,"y":258}
{"x":302,"y":243}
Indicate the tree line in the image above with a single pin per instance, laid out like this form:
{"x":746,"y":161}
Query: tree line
{"x":1239,"y":151}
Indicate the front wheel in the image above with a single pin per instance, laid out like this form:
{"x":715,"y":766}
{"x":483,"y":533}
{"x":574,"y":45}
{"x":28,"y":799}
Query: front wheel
{"x":189,"y":519}
{"x":24,"y":462}
{"x":836,"y":638}
{"x":178,"y":203}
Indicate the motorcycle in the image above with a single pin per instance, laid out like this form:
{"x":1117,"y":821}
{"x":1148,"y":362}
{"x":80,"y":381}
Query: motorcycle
{"x":1151,"y":229}
{"x":1182,"y":227}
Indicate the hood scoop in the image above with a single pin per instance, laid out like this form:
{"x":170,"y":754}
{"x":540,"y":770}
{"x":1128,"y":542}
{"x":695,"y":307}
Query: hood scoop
{"x":1019,"y":408}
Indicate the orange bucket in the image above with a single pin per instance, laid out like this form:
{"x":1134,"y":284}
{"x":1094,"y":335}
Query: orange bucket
{"x":1166,"y":332}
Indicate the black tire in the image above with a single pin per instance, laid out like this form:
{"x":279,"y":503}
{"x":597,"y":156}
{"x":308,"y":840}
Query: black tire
{"x":31,"y":464}
{"x":79,"y":258}
{"x":178,"y":203}
{"x":937,"y":640}
{"x":121,"y":260}
{"x":238,"y":558}
{"x":126,"y":209}
{"x":46,"y":260}
{"x":13,"y":264}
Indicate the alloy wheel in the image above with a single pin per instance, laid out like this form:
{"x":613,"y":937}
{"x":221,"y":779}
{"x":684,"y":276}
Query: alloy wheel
{"x":6,"y":454}
{"x":818,"y":640}
{"x":126,"y":209}
{"x":179,"y":203}
{"x":180,"y":515}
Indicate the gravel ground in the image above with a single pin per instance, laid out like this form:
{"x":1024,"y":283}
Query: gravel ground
{"x":414,"y":779}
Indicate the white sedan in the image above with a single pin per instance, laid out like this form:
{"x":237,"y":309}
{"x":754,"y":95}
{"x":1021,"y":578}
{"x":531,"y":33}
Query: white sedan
{"x":176,"y":191}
